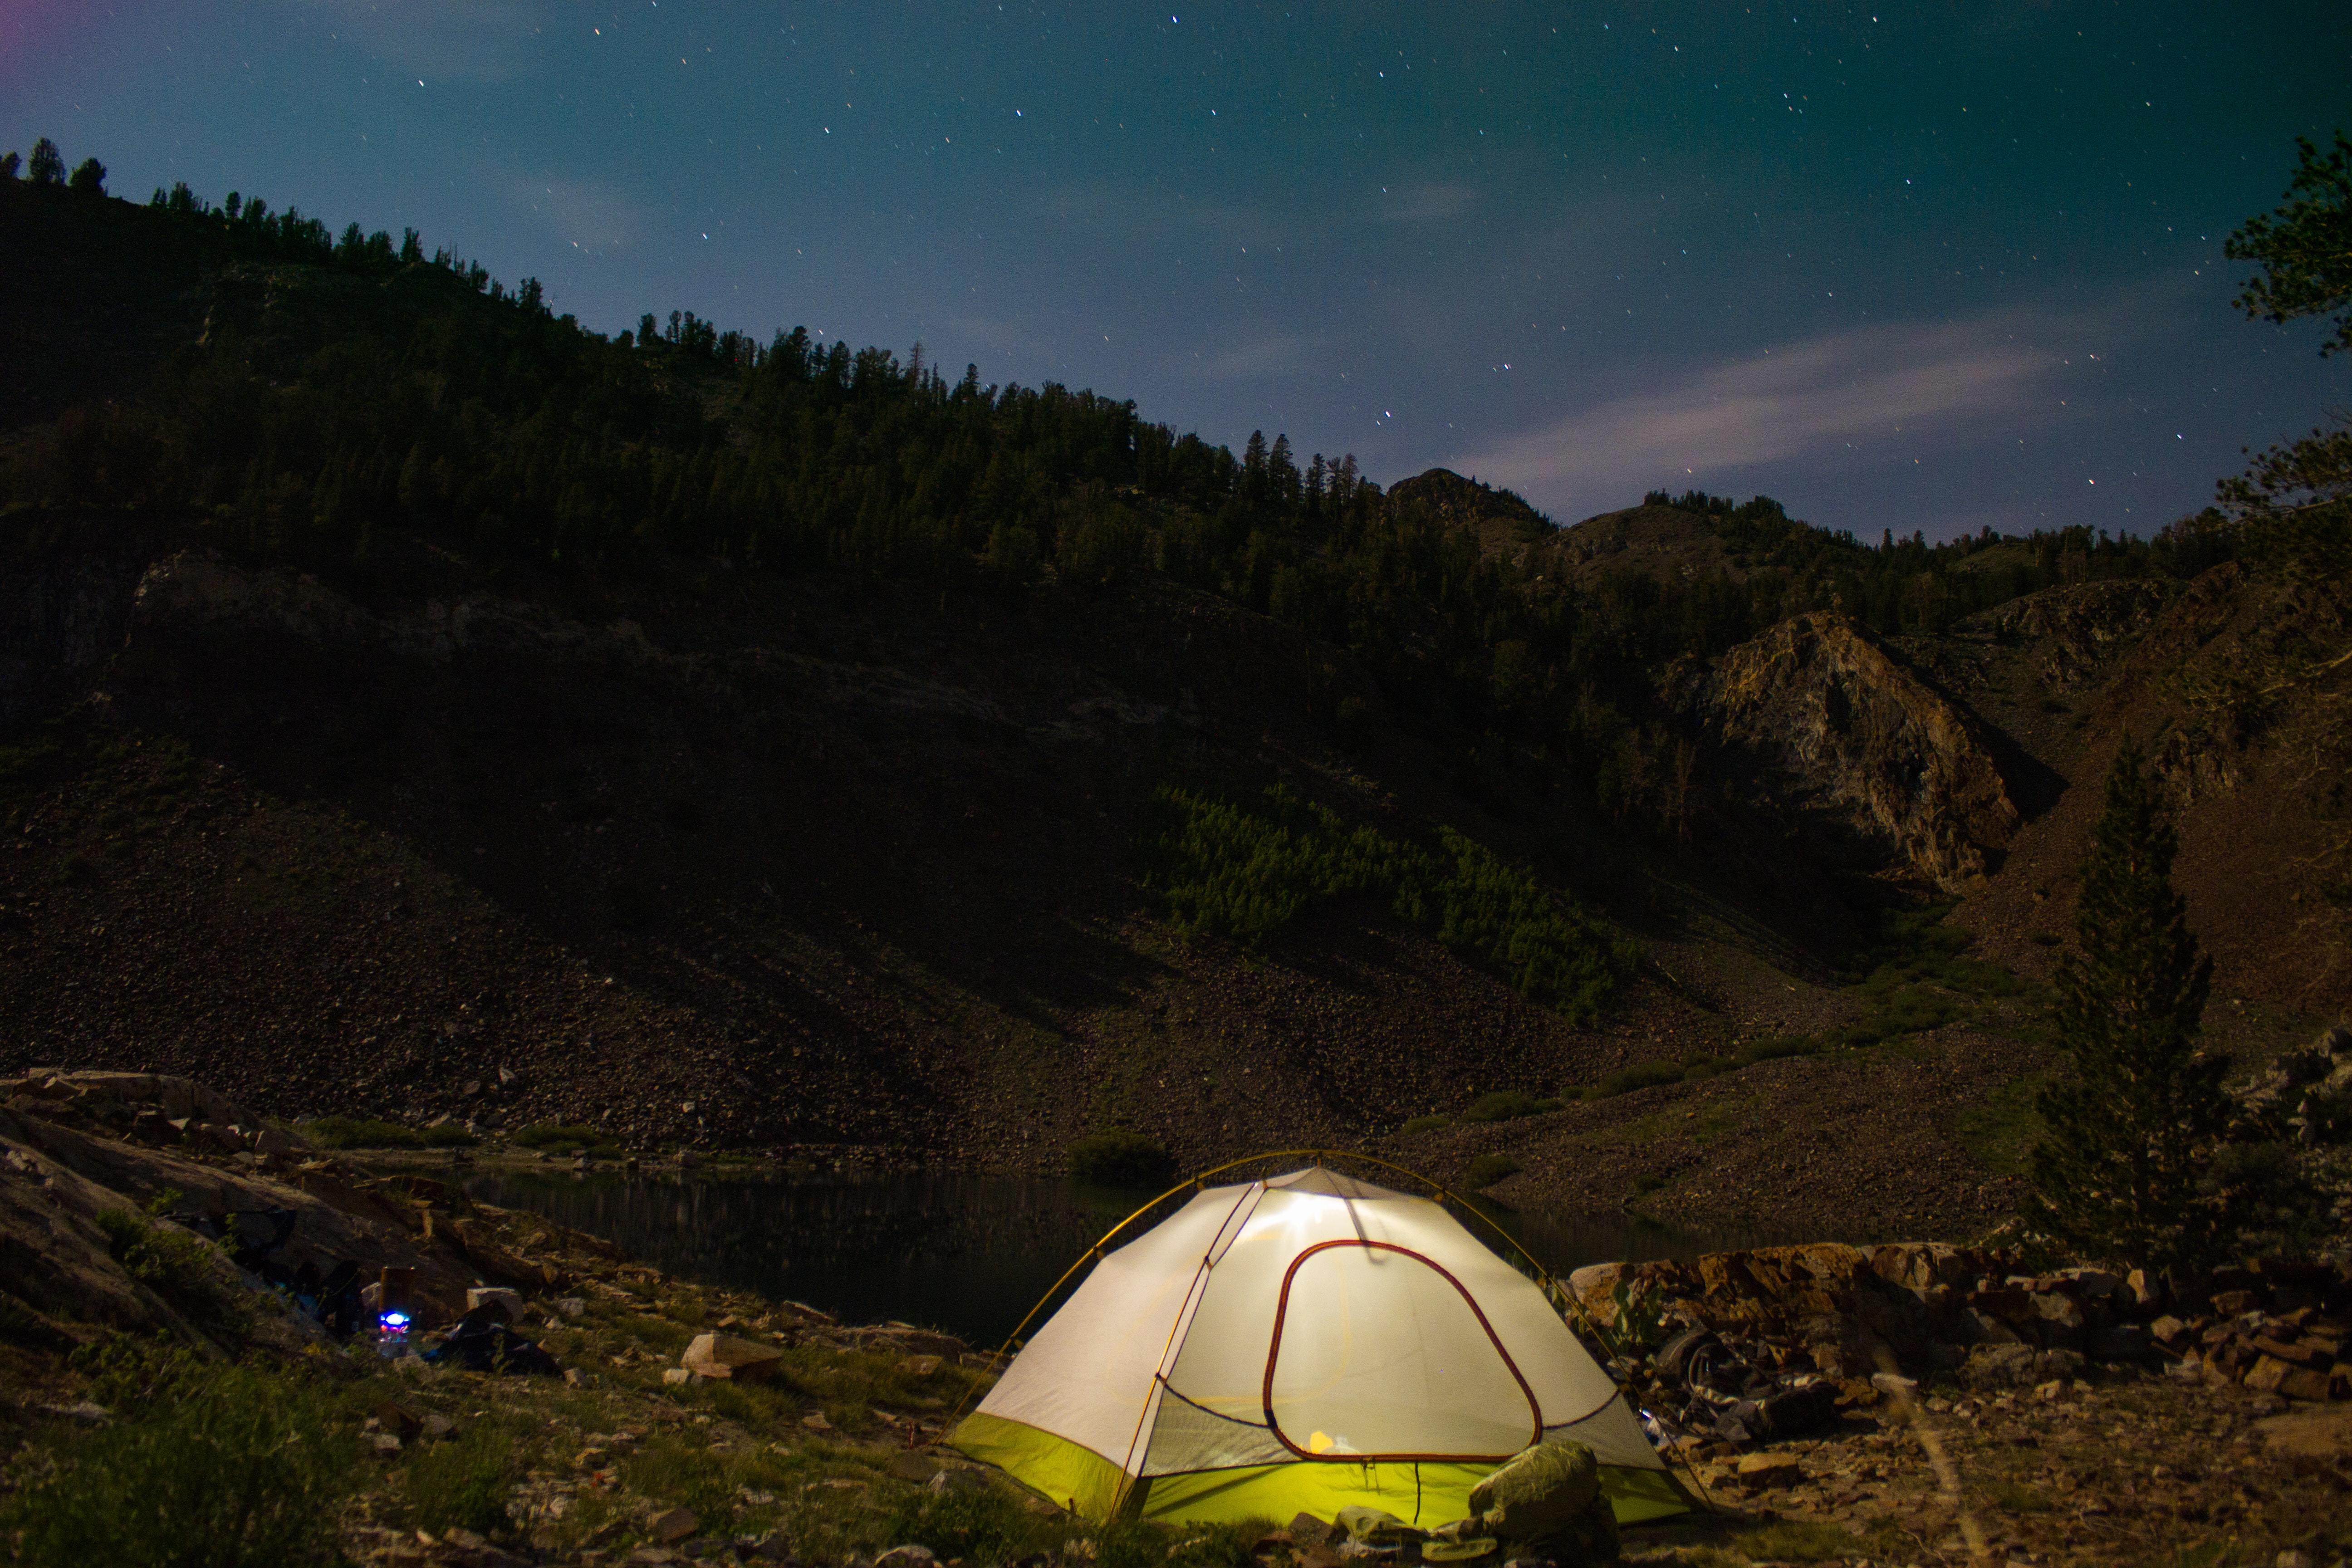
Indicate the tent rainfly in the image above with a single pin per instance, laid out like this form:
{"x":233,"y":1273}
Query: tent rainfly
{"x":1297,"y":1345}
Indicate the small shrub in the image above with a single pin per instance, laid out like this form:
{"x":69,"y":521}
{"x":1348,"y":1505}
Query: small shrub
{"x":463,"y":1483}
{"x":1501,"y":1105}
{"x":365,"y":1133}
{"x":183,"y":1270}
{"x":2271,"y":1209}
{"x":1641,"y":1075}
{"x":2015,"y":1497}
{"x":1426,"y":1124}
{"x":557,"y":1135}
{"x":1135,"y":1544}
{"x":1800,"y":1542}
{"x":1488,"y":1169}
{"x":1777,"y":1047}
{"x":1120,"y":1158}
{"x":984,"y":1525}
{"x":2001,"y":1127}
{"x":203,"y":1466}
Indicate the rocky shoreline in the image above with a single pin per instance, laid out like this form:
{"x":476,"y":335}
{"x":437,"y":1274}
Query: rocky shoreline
{"x":1912,"y":1403}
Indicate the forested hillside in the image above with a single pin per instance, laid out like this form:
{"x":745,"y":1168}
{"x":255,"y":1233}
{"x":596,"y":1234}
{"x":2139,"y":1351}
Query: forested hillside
{"x":414,"y":699}
{"x":345,"y":387}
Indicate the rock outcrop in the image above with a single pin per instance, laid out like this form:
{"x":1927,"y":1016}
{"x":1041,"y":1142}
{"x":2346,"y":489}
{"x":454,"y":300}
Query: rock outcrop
{"x":1859,"y":1316}
{"x":2074,"y":633}
{"x":1824,"y":721}
{"x":91,"y":1161}
{"x":1504,"y":522}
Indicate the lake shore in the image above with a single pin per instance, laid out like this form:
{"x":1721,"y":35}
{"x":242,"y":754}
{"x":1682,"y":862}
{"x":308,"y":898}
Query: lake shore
{"x":623,"y":1452}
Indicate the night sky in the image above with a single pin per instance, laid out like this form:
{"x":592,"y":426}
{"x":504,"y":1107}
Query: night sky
{"x":1930,"y":267}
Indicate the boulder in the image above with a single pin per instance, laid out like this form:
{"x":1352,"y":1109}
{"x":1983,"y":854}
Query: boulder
{"x":399,"y":1420}
{"x":1768,"y":1472}
{"x":1992,"y":1367}
{"x":725,"y":1356}
{"x":280,"y":1144}
{"x":498,"y":1301}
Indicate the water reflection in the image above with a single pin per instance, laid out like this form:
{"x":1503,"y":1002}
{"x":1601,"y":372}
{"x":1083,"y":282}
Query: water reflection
{"x":968,"y":1254}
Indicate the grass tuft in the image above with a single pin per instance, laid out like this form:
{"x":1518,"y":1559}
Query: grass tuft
{"x":1488,"y":1169}
{"x":203,"y":1467}
{"x":556,"y":1135}
{"x":462,"y":1483}
{"x":361,"y":1133}
{"x":185,"y":1270}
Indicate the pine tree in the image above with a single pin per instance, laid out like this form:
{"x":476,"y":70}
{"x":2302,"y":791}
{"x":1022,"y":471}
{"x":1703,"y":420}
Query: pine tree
{"x":1282,"y":472}
{"x":49,"y":165}
{"x":88,"y":178}
{"x":2305,"y":246}
{"x":2128,"y":1135}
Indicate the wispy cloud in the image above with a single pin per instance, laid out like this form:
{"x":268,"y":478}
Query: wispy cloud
{"x":585,"y":212}
{"x":1871,"y":395}
{"x":451,"y":40}
{"x":1270,"y":354}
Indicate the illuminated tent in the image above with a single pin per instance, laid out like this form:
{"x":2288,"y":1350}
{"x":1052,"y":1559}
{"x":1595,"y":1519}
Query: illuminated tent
{"x":1297,"y":1345}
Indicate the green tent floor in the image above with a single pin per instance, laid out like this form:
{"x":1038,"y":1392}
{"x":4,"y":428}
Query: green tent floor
{"x":1424,"y":1494}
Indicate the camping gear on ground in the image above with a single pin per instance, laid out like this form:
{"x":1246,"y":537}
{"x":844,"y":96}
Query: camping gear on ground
{"x":1304,"y":1343}
{"x":1375,"y":1532}
{"x":480,"y":1342}
{"x":1548,"y":1501}
{"x":1724,"y":1393}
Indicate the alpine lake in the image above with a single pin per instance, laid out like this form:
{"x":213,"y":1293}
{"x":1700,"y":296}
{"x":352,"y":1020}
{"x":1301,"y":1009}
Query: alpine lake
{"x":968,"y":1254}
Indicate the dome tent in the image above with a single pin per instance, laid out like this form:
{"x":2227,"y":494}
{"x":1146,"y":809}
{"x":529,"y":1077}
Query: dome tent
{"x":1298,"y":1344}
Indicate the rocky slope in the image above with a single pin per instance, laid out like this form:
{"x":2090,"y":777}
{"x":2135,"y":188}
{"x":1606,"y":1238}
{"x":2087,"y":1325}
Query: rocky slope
{"x":720,"y":852}
{"x":1818,"y":720}
{"x":2228,"y":680}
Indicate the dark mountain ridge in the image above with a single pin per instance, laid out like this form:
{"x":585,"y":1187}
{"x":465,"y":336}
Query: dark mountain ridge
{"x":415,"y":704}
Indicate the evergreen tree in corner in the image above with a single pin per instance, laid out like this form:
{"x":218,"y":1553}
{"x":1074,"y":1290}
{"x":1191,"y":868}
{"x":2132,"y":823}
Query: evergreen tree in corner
{"x":2128,"y":1136}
